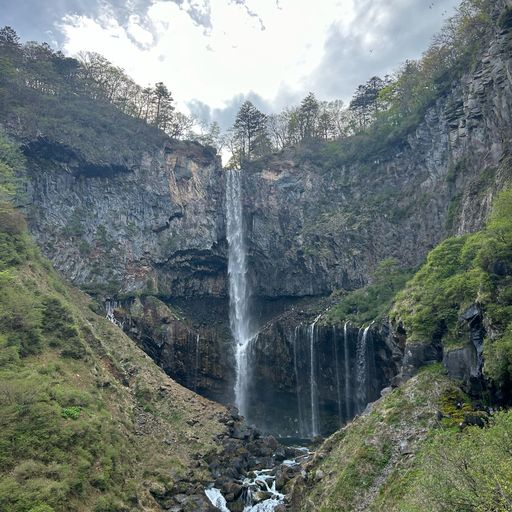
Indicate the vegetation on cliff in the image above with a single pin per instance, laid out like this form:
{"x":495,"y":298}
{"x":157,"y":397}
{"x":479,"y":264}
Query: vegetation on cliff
{"x":461,"y":271}
{"x":87,"y":421}
{"x":410,"y":450}
{"x":372,"y":302}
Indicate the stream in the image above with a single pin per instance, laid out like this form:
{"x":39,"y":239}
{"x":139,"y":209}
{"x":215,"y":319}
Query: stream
{"x":259,"y":488}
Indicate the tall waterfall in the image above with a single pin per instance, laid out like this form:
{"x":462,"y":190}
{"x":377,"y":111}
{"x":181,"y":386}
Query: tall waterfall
{"x":238,"y":288}
{"x":362,"y":369}
{"x":313,"y":382}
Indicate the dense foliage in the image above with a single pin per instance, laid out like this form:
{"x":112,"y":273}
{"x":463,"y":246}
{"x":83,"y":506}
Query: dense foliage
{"x":461,"y":271}
{"x":374,"y":300}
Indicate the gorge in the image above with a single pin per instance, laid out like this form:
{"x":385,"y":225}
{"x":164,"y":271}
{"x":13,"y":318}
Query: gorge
{"x":306,"y":235}
{"x":174,"y":331}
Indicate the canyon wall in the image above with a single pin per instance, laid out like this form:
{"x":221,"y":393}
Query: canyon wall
{"x":151,"y":229}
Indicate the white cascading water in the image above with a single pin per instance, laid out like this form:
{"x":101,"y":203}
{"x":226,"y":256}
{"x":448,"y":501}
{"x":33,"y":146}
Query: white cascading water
{"x":238,"y":290}
{"x":362,"y":369}
{"x":196,"y":376}
{"x":110,"y":307}
{"x":313,"y":383}
{"x":347,"y":372}
{"x":302,"y":429}
{"x":338,"y":378}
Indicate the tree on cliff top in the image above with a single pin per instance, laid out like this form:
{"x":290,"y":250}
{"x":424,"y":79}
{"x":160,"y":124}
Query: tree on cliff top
{"x":249,"y":135}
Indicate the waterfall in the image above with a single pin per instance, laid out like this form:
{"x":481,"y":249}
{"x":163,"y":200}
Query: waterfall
{"x":346,"y":355}
{"x":300,"y":409}
{"x":110,"y":306}
{"x":238,"y":288}
{"x":362,"y":370}
{"x":313,"y":383}
{"x":196,"y":374}
{"x":338,"y":379}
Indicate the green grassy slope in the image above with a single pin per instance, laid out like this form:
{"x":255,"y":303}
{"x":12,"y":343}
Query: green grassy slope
{"x":87,"y":421}
{"x":409,"y":454}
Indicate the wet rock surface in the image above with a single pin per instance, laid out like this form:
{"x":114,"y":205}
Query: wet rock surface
{"x":252,"y":469}
{"x":349,"y":370}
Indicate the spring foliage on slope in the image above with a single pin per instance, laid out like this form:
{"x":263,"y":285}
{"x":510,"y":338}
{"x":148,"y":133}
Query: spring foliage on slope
{"x":87,"y":421}
{"x":459,"y":272}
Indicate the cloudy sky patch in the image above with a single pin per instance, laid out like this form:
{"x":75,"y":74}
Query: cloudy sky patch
{"x":213,"y":54}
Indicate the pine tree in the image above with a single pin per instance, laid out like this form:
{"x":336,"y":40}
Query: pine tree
{"x":250,"y":133}
{"x":308,"y":117}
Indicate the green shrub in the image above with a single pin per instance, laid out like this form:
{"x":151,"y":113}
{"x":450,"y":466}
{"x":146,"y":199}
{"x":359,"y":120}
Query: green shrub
{"x":42,"y":508}
{"x":72,"y":412}
{"x":373,"y":301}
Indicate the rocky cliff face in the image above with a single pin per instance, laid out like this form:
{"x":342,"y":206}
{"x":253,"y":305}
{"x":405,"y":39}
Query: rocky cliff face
{"x":196,"y":352}
{"x":313,"y":228}
{"x":154,"y":225}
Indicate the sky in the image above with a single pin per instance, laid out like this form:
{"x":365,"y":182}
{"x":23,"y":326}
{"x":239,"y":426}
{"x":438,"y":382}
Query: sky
{"x":214,"y":54}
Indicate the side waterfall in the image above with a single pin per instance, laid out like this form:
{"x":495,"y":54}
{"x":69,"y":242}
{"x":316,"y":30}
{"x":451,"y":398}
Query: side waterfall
{"x":110,"y":306}
{"x":238,"y":289}
{"x":337,"y":372}
{"x":196,"y":373}
{"x":346,"y":355}
{"x":300,"y":409}
{"x":362,"y":369}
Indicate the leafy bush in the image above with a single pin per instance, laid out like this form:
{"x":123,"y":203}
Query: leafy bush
{"x":372,"y":301}
{"x":71,"y":412}
{"x":461,"y":271}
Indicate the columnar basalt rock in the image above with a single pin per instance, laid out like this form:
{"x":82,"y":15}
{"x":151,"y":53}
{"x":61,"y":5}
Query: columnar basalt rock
{"x":198,"y":355}
{"x":155,"y":226}
{"x":283,"y":398}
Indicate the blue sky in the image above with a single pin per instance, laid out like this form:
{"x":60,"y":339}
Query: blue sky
{"x":213,"y":54}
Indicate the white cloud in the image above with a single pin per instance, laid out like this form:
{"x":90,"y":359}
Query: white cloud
{"x":211,"y":51}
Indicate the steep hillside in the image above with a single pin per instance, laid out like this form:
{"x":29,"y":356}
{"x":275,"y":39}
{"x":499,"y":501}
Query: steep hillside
{"x":88,"y":421}
{"x":421,"y":447}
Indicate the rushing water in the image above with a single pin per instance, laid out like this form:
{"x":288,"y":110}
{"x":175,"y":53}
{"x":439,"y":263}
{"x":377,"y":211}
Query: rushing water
{"x":239,"y":318}
{"x":216,"y":499}
{"x":261,"y":480}
{"x":312,"y":382}
{"x":362,"y":369}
